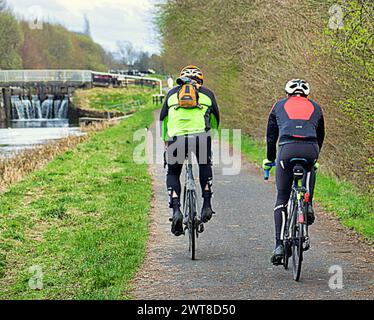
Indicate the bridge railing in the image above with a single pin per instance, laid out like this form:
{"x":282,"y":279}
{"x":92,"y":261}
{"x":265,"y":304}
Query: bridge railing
{"x":24,"y":76}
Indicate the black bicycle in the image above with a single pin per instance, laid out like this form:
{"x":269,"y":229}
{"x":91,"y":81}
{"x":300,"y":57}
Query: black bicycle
{"x":296,"y":236}
{"x":192,"y":220}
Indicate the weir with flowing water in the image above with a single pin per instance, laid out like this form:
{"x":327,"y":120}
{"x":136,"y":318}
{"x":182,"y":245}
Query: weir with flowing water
{"x":35,"y":121}
{"x":25,"y":108}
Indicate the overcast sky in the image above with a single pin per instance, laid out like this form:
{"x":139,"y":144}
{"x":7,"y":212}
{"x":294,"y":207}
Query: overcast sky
{"x":111,"y":20}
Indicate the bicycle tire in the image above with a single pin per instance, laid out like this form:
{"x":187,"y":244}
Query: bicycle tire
{"x":184,"y":204}
{"x":288,"y":240}
{"x":192,"y":224}
{"x":187,"y":212}
{"x":297,"y":250}
{"x":287,"y":248}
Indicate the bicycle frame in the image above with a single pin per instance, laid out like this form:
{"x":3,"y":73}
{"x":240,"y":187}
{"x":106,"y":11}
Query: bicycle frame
{"x":190,"y":207}
{"x":295,"y":216}
{"x":190,"y":181}
{"x":189,"y":185}
{"x":296,"y":230}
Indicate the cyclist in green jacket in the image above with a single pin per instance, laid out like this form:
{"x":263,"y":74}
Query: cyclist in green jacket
{"x":185,"y":129}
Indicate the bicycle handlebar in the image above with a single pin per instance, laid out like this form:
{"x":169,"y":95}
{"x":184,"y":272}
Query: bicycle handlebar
{"x":267,"y":171}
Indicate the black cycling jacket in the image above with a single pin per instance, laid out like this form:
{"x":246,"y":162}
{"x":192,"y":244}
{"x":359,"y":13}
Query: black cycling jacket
{"x":294,"y":119}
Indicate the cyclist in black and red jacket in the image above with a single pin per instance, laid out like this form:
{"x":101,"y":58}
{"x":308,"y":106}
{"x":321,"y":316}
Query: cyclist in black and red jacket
{"x":298,"y":123}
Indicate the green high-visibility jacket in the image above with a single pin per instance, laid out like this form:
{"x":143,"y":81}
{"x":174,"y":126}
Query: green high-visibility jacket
{"x":177,"y":121}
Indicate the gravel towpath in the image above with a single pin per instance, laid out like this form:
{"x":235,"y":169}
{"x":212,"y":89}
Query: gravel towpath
{"x":233,"y":254}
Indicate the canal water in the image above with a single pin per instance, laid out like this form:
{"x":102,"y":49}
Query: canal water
{"x":28,"y":134}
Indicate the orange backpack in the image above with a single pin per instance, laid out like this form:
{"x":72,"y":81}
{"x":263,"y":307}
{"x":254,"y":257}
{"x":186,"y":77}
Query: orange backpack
{"x":188,"y":96}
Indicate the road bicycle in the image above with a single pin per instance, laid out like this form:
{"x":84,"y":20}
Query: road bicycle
{"x":296,"y":235}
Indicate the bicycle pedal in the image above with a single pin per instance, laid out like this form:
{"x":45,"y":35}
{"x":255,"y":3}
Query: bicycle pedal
{"x":201,"y":228}
{"x":307,"y":246}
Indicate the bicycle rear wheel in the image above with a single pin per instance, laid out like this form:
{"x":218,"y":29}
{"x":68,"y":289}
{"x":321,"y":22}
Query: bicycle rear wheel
{"x":184,"y":204}
{"x":290,"y":223}
{"x":192,"y":223}
{"x":297,"y":250}
{"x":287,"y":251}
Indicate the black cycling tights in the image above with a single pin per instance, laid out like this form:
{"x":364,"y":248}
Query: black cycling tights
{"x":178,"y":149}
{"x":284,"y":179}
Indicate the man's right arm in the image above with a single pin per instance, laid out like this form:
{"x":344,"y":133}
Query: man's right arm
{"x":272,"y":134}
{"x":320,"y":129}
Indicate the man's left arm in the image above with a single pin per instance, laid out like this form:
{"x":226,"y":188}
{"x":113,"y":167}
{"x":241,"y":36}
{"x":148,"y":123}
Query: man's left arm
{"x":321,"y":131}
{"x":214,"y":115}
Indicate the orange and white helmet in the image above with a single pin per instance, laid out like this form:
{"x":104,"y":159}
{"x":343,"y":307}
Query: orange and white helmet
{"x":193,"y":72}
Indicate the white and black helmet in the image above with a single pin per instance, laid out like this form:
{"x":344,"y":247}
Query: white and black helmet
{"x":298,"y":86}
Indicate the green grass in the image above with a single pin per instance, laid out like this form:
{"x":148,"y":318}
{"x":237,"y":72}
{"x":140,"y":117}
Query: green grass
{"x":83,"y":219}
{"x":354,"y":209}
{"x":112,"y":99}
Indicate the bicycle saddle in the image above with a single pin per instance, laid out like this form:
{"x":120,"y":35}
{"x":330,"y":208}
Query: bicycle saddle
{"x":298,"y":170}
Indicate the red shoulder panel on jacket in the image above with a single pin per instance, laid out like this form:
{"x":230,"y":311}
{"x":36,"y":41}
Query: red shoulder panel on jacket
{"x":299,"y":108}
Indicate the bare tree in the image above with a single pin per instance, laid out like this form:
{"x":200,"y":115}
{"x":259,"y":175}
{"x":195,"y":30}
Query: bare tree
{"x":3,"y":5}
{"x":86,"y":27}
{"x":143,"y":61}
{"x":127,"y":53}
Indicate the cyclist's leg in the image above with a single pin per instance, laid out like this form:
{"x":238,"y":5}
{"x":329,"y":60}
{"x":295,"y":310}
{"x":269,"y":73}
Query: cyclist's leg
{"x":284,"y":178}
{"x":204,"y":158}
{"x":203,"y":154}
{"x":310,"y":182}
{"x":284,"y":185}
{"x":173,"y":182}
{"x":174,"y":190}
{"x":176,"y":154}
{"x":175,"y":159}
{"x":311,"y":152}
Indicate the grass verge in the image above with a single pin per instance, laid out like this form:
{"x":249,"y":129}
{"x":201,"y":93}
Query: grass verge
{"x":354,"y":209}
{"x":81,"y":220}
